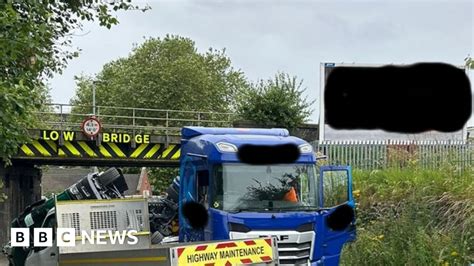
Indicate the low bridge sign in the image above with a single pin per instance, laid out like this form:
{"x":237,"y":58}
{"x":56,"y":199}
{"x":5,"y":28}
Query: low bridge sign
{"x":75,"y":147}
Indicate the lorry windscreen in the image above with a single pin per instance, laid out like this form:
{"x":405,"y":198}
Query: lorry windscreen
{"x":283,"y":187}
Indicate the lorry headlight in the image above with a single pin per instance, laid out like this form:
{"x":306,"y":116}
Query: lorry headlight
{"x":226,"y":147}
{"x":305,"y":148}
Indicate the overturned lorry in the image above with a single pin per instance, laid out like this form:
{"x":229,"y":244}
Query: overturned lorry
{"x":235,"y":184}
{"x":108,"y":228}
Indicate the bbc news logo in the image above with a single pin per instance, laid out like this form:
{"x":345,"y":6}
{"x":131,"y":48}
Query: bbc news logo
{"x":66,"y":237}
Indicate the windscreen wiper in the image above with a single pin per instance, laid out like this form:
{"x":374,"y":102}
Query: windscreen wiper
{"x":238,"y":210}
{"x":298,"y":208}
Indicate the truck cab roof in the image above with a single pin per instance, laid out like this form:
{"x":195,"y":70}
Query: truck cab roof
{"x":190,"y":132}
{"x":204,"y":142}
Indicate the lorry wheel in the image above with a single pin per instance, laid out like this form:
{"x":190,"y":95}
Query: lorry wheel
{"x":113,"y":176}
{"x":109,"y":176}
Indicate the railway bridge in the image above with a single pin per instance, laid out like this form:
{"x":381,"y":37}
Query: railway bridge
{"x":125,"y":137}
{"x":70,"y":135}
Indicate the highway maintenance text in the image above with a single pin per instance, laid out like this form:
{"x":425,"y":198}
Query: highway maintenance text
{"x":225,"y":254}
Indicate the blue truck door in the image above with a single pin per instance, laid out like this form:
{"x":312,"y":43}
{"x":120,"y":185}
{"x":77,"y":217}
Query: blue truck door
{"x":336,"y":192}
{"x":188,"y":192}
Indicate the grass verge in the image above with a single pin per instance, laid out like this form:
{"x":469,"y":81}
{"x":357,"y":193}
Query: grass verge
{"x":413,"y":216}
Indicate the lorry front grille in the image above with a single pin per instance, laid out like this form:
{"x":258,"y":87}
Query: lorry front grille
{"x":294,"y":248}
{"x":294,"y":253}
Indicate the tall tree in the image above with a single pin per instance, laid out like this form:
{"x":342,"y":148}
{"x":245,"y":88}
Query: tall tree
{"x":165,"y":73}
{"x":276,"y":102}
{"x":35,"y":43}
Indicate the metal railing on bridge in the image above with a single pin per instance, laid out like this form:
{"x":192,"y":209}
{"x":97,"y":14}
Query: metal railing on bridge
{"x":154,"y":121}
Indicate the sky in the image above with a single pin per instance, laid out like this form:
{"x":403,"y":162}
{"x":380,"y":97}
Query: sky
{"x":263,"y":37}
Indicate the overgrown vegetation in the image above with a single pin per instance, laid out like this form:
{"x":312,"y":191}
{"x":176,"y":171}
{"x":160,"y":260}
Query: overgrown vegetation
{"x":412,"y":216}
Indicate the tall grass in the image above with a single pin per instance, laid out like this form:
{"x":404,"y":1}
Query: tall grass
{"x":412,"y":216}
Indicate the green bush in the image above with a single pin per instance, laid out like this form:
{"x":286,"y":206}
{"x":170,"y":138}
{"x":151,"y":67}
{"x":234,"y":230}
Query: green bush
{"x":161,"y":178}
{"x":276,"y":102}
{"x":413,"y":217}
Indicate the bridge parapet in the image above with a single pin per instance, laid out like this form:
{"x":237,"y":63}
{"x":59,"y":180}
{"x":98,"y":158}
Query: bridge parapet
{"x":129,"y":136}
{"x":152,"y":121}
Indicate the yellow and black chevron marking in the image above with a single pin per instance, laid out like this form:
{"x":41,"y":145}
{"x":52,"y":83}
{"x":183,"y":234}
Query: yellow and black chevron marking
{"x":88,"y":149}
{"x":39,"y":148}
{"x":156,"y":151}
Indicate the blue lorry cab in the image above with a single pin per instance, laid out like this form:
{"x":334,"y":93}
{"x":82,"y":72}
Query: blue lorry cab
{"x":291,"y":201}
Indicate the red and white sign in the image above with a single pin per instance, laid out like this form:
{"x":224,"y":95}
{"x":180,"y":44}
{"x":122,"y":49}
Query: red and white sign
{"x":91,"y":126}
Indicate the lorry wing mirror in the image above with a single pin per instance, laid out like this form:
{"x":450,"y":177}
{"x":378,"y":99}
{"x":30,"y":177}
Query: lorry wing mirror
{"x":196,"y":214}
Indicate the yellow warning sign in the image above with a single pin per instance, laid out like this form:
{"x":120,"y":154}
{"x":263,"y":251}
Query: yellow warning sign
{"x":225,"y":253}
{"x":88,"y":149}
